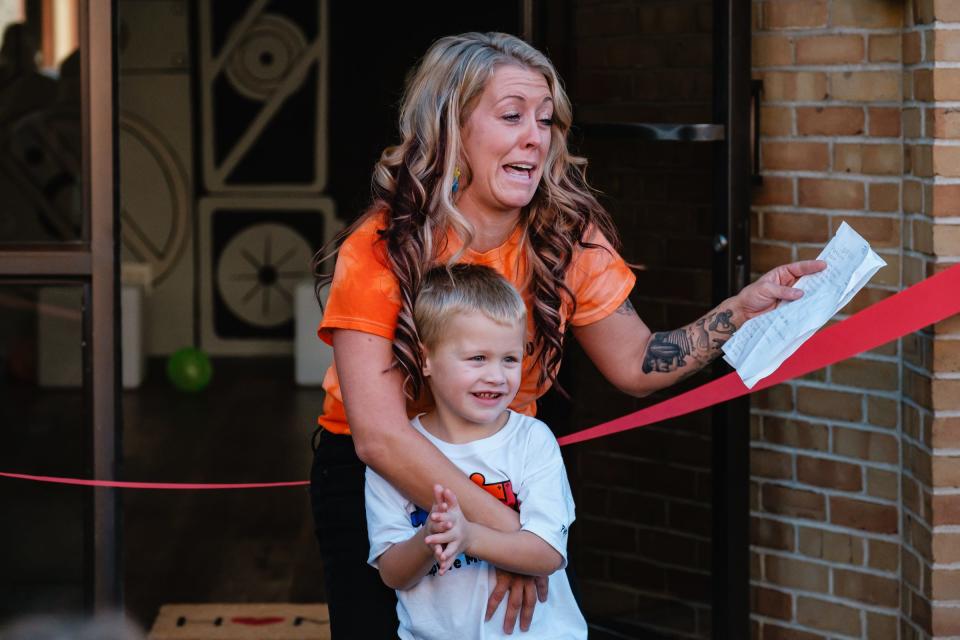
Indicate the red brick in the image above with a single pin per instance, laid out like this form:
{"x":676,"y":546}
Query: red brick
{"x":884,"y":556}
{"x":946,"y":45}
{"x":840,"y":121}
{"x":793,"y":502}
{"x":830,"y":49}
{"x":865,"y":86}
{"x":884,"y":197}
{"x":866,"y":516}
{"x":881,"y":232}
{"x":796,"y":574}
{"x":946,"y":11}
{"x":943,"y":123}
{"x":881,"y":626}
{"x":795,"y":227}
{"x":828,"y":616}
{"x":945,"y":584}
{"x":946,"y":200}
{"x":775,"y":632}
{"x":876,"y":159}
{"x":946,"y":621}
{"x":864,"y":587}
{"x":771,"y":534}
{"x":946,"y":84}
{"x":921,"y":84}
{"x":833,"y":474}
{"x":812,"y":156}
{"x":866,"y":14}
{"x":774,"y":190}
{"x":764,"y":257}
{"x":869,"y":374}
{"x":866,"y":445}
{"x":771,"y":464}
{"x":828,"y":403}
{"x":776,"y":121}
{"x":772,"y":50}
{"x":831,"y":546}
{"x":946,"y":548}
{"x":771,"y":603}
{"x":794,"y":14}
{"x":831,"y":194}
{"x":945,"y":395}
{"x":885,"y":48}
{"x":795,"y":433}
{"x":882,"y":484}
{"x":794,"y":85}
{"x":911,"y":47}
{"x":946,"y":433}
{"x":884,"y":121}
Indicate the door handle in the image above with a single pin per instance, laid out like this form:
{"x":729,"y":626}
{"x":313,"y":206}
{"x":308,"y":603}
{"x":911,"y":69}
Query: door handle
{"x":655,"y":131}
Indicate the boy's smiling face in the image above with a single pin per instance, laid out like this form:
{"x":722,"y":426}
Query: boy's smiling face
{"x":474,"y":370}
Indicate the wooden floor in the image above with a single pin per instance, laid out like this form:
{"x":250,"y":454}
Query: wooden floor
{"x":251,"y":424}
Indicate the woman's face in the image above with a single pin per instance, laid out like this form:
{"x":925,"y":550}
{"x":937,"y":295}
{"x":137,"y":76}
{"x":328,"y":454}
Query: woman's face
{"x":505,"y":140}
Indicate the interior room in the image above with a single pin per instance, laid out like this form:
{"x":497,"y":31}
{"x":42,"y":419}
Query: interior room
{"x":245,"y":134}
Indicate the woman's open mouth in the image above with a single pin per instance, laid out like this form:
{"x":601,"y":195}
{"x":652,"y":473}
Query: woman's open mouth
{"x":520,"y":169}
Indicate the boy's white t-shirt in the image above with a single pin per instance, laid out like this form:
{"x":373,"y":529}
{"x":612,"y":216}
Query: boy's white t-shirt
{"x":521,"y":465}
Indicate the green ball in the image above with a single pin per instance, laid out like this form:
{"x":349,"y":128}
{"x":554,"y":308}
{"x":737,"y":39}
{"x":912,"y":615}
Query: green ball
{"x":189,"y":369}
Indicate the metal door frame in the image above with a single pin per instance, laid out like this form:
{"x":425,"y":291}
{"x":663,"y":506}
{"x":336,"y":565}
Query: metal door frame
{"x":93,"y":264}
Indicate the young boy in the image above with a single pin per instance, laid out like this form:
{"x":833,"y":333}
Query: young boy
{"x":472,"y":324}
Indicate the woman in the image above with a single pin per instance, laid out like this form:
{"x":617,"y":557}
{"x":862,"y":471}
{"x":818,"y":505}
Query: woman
{"x":482,"y":174}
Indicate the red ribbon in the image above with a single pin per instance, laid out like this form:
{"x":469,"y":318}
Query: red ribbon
{"x":923,"y":304}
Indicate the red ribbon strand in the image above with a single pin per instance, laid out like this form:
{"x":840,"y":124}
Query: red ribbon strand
{"x":925,"y":303}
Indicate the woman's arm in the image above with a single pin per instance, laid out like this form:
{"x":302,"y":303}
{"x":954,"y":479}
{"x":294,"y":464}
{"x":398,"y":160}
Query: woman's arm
{"x":639,"y":362}
{"x":376,"y":411}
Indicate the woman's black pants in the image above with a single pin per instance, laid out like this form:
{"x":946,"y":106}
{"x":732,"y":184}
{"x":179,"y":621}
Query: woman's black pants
{"x":360,"y":605}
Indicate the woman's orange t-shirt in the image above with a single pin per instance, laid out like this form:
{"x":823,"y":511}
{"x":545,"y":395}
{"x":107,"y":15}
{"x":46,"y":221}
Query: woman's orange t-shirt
{"x":364,"y":296}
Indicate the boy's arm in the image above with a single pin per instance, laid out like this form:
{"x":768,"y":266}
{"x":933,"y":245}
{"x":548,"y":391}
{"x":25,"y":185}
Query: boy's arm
{"x":517,"y":551}
{"x":405,"y":563}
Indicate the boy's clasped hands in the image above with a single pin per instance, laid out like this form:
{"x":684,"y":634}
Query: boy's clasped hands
{"x":447,"y":528}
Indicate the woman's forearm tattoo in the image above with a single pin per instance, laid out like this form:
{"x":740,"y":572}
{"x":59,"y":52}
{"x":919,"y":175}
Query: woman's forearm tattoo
{"x":668,"y":350}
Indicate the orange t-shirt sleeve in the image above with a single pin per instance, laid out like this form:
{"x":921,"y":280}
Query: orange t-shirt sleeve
{"x":364,"y":295}
{"x":599,"y":278}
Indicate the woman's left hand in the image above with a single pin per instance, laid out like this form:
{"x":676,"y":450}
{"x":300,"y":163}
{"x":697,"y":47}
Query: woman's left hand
{"x":765,"y":294}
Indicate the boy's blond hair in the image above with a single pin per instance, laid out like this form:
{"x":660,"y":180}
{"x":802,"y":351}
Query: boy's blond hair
{"x":464,"y":288}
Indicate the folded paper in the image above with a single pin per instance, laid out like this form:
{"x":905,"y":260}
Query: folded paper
{"x":764,"y":342}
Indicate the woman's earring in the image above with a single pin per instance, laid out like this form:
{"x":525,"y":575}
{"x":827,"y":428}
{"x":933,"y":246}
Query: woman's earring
{"x":456,"y":178}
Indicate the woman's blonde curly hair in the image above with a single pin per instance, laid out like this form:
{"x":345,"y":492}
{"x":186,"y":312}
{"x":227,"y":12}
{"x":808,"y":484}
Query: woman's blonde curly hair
{"x":413,"y":190}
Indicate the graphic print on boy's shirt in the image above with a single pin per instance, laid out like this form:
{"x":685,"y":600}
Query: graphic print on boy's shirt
{"x":502,"y":491}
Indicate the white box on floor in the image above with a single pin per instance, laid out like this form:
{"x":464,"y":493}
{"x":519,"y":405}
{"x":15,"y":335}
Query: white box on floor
{"x":59,"y":337}
{"x":312,"y":356}
{"x":132,"y":336}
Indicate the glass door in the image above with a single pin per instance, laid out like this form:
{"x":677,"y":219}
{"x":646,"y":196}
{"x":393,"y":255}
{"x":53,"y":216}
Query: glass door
{"x":662,"y":114}
{"x":58,"y":305}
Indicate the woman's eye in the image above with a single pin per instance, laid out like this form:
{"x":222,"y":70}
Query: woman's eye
{"x":546,"y":121}
{"x":512,"y":117}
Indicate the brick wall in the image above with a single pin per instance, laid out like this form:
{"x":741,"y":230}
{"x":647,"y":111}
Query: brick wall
{"x":931,"y":410}
{"x":854,"y":469}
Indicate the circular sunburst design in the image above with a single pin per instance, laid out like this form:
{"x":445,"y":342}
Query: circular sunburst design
{"x":257,"y":272}
{"x":155,"y":202}
{"x":265,"y":56}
